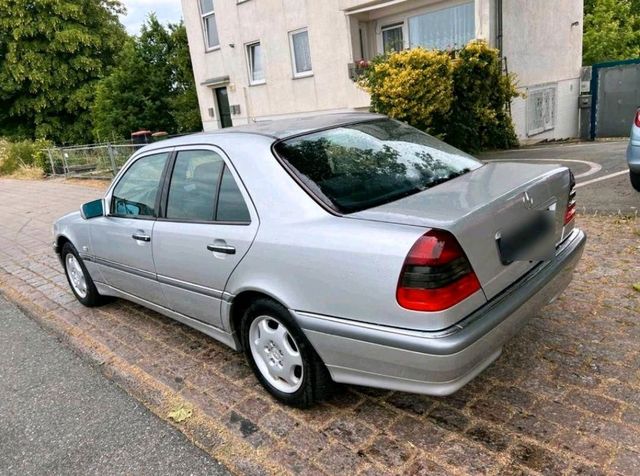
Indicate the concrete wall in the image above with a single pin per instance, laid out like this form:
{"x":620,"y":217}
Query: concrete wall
{"x":543,"y":45}
{"x":540,"y":42}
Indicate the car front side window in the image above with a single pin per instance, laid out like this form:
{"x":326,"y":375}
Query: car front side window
{"x":136,"y":193}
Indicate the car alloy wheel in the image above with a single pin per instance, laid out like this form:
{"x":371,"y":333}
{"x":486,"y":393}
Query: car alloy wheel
{"x":276,"y":354}
{"x":76,"y":275}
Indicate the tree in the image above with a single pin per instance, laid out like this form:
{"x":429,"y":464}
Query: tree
{"x":52,"y":53}
{"x":151,"y":88}
{"x":611,"y":30}
{"x":185,"y":110}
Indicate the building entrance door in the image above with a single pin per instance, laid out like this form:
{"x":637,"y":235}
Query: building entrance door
{"x":224,"y":110}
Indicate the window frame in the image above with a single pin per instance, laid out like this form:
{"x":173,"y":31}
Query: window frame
{"x":205,"y":32}
{"x":403,"y":18}
{"x":402,"y":26}
{"x":248,"y":53}
{"x":294,"y":65}
{"x":164,"y":198}
{"x":109,"y":196}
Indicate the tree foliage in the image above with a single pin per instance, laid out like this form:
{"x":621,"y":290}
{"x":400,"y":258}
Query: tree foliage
{"x":611,"y":30}
{"x":52,"y":53}
{"x":460,"y":96}
{"x":152,"y":86}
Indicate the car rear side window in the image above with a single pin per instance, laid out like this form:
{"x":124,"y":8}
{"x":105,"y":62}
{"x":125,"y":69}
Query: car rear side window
{"x":194,"y":185}
{"x":359,"y":166}
{"x":231,"y":204}
{"x":136,"y":192}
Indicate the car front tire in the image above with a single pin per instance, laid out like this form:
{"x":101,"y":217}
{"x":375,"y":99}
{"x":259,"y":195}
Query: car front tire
{"x":78,"y":277}
{"x":635,"y":180}
{"x":281,"y":357}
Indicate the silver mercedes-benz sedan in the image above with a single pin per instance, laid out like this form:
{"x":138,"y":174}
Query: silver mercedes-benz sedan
{"x":337,"y":248}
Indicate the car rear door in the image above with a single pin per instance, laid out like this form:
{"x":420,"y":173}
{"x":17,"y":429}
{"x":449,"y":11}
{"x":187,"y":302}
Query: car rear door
{"x":207,"y":226}
{"x":121,"y":241}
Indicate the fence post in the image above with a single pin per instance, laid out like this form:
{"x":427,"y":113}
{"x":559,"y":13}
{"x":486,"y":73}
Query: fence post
{"x":53,"y":168}
{"x":65,"y":163}
{"x":112,"y":158}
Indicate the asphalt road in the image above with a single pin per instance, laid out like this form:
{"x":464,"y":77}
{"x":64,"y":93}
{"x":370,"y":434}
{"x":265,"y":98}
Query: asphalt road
{"x":58,"y":415}
{"x":600,"y":168}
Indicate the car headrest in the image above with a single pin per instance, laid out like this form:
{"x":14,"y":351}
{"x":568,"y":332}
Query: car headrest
{"x":206,"y":172}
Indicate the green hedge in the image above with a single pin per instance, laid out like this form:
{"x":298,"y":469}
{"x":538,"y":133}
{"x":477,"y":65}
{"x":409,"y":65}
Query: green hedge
{"x":460,"y":96}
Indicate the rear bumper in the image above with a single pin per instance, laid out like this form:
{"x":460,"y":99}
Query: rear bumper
{"x":439,"y":363}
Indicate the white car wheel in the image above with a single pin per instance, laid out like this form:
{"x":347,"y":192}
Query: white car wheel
{"x":276,"y":354}
{"x":76,"y":275}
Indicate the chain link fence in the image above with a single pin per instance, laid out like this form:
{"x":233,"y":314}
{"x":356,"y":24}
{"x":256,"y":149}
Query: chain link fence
{"x":100,"y":161}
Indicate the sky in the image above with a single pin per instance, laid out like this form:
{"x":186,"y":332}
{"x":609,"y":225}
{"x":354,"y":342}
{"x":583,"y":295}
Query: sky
{"x":137,"y":11}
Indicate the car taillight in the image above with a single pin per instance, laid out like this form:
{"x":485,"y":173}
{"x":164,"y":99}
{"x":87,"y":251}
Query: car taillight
{"x":570,"y":213}
{"x":436,"y":274}
{"x":638,"y":118}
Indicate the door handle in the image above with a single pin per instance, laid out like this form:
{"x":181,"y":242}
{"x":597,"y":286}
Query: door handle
{"x":226,"y":249}
{"x":141,"y":237}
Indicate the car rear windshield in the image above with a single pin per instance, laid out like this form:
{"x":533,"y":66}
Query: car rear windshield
{"x":359,"y":166}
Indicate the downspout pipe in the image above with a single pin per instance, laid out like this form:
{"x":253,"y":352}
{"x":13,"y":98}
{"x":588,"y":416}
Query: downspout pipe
{"x":499,"y":27}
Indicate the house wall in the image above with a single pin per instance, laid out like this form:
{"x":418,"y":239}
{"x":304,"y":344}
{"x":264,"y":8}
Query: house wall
{"x":544,"y":46}
{"x":329,"y":89}
{"x":539,"y":42}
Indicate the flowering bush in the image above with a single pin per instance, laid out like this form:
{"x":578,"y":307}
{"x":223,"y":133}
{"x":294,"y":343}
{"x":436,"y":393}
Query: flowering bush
{"x":460,"y":96}
{"x":414,"y":86}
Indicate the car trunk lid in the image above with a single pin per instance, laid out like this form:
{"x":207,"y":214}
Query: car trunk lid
{"x":479,"y":206}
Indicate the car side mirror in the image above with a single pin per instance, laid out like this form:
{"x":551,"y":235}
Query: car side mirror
{"x":93,"y":209}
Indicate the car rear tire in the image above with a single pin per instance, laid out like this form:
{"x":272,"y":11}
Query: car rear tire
{"x":78,"y":277}
{"x":281,"y":357}
{"x":635,"y":180}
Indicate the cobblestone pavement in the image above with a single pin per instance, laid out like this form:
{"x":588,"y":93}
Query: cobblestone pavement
{"x":564,"y":398}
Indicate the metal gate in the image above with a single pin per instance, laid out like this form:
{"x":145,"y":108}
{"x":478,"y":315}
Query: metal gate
{"x":616,"y":96}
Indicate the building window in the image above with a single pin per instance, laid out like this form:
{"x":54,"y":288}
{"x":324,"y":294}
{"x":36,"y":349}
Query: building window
{"x":300,"y":53}
{"x":541,"y":109}
{"x":446,"y":28}
{"x":392,"y":38}
{"x":256,"y":65}
{"x":209,"y":24}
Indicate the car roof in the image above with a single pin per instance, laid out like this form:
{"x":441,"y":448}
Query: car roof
{"x":276,"y":129}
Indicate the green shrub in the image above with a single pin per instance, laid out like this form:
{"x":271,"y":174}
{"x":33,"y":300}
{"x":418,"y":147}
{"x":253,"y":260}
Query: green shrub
{"x":482,"y":93}
{"x":460,"y":96}
{"x":26,"y":153}
{"x":414,"y":86}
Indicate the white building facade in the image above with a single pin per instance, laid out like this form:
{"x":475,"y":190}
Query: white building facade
{"x":256,"y":60}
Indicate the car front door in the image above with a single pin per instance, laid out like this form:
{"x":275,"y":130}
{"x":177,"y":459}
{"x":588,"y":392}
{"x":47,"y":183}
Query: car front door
{"x":121,"y":241}
{"x":208,"y":225}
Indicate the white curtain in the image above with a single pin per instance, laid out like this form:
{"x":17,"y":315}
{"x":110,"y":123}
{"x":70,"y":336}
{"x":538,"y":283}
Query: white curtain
{"x":257,"y":70}
{"x":448,"y":28}
{"x":301,"y":51}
